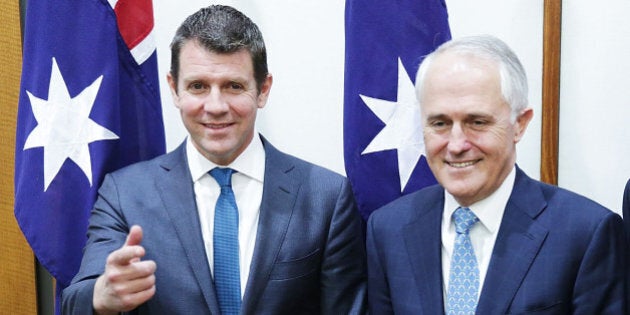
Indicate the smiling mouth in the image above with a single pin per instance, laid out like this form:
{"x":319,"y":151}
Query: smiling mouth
{"x":461,"y":164}
{"x":217,"y":126}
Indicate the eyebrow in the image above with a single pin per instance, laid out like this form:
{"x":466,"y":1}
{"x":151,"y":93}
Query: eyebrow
{"x":467,"y":118}
{"x":475,"y":116}
{"x":437,"y":116}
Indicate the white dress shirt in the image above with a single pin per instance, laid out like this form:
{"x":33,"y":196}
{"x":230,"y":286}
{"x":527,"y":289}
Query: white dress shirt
{"x":482,"y":235}
{"x":247,"y":185}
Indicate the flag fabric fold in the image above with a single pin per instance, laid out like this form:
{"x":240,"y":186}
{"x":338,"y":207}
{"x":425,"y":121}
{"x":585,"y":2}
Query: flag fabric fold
{"x":383,"y":145}
{"x":89,"y":104}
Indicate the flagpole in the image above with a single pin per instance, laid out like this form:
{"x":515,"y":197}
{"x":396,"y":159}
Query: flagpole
{"x":550,"y":91}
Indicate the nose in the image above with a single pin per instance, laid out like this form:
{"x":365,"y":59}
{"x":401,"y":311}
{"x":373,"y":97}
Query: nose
{"x":458,"y":141}
{"x":215,"y":102}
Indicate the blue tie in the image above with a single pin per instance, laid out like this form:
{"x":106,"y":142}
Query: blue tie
{"x":227,"y":280}
{"x":463,"y":283}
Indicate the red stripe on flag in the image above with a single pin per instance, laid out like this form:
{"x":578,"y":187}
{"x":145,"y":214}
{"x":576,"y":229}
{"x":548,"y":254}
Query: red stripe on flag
{"x":135,"y":20}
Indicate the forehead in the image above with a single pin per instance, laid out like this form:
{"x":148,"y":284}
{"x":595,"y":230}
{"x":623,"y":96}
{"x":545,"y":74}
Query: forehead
{"x":457,"y":81}
{"x":195,"y":57}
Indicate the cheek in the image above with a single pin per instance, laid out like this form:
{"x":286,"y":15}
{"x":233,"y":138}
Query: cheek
{"x":434,"y":142}
{"x":501,"y":139}
{"x":244,"y":108}
{"x":185,"y":110}
{"x":188,"y":104}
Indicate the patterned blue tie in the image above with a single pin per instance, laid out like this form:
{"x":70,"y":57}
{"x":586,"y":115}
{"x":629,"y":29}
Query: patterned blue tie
{"x":463,"y":283}
{"x":227,"y":280}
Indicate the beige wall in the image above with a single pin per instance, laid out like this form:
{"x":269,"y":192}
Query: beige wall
{"x":595,"y":100}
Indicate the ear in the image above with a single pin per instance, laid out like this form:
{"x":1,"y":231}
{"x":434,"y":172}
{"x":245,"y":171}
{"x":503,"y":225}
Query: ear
{"x":265,"y":88}
{"x":173,"y":87}
{"x":522,"y":121}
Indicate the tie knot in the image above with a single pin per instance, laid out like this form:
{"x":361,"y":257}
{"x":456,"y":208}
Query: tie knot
{"x":223,"y":176}
{"x":464,"y":220}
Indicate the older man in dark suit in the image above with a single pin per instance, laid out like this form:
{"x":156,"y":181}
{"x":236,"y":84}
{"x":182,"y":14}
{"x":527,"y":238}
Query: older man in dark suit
{"x":489,"y":239}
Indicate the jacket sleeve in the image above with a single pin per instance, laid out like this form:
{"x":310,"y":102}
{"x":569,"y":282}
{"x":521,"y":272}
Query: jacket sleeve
{"x":378,"y":293}
{"x":343,"y":273}
{"x":626,"y":210}
{"x":107,"y":232}
{"x":600,"y":286}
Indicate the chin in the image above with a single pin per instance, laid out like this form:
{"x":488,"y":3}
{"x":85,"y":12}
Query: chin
{"x":460,"y":190}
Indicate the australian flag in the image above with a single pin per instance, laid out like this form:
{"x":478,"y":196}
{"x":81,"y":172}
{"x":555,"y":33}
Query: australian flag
{"x":89,"y":104}
{"x":383,"y":143}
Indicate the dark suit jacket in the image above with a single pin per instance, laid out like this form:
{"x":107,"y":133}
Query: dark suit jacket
{"x":309,"y":256}
{"x":556,"y":253}
{"x":626,"y":210}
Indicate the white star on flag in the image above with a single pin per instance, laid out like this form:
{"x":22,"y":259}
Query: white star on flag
{"x":64,"y":128}
{"x":403,"y":126}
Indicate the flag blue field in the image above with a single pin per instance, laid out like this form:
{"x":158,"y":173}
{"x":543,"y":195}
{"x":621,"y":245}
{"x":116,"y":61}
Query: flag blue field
{"x":383,"y":144}
{"x":89,"y":104}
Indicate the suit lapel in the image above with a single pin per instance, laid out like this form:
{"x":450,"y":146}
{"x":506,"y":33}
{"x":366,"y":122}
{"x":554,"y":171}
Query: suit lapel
{"x":422,"y":241}
{"x":279,"y":194}
{"x":518,"y":243}
{"x":176,"y":191}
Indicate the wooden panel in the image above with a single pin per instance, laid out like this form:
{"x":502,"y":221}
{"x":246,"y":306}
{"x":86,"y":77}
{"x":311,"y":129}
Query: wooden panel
{"x":17,"y":271}
{"x":551,"y":91}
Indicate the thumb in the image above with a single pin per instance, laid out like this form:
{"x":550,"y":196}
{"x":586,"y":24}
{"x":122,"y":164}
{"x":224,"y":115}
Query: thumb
{"x":135,"y":236}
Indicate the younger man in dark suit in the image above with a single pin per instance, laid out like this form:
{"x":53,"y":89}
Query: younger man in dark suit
{"x":285,"y":236}
{"x":488,"y":239}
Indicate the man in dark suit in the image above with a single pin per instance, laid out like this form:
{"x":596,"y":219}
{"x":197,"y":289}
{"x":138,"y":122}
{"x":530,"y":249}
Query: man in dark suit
{"x":488,"y":239}
{"x":626,"y":209}
{"x":151,"y":249}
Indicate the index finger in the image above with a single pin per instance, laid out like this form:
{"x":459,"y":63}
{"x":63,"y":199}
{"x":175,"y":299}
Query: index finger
{"x":131,"y":251}
{"x":135,"y":235}
{"x":125,"y":255}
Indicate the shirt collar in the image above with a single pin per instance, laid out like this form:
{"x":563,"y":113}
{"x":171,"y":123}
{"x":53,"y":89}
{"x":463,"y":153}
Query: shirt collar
{"x":489,"y":210}
{"x":250,"y":163}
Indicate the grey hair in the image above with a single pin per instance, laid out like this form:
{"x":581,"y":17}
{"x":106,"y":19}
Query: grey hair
{"x":487,"y":47}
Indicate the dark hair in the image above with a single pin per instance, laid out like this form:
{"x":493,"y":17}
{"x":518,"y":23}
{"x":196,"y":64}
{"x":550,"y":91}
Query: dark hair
{"x":221,"y":29}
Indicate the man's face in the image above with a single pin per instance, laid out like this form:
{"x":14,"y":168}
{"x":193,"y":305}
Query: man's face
{"x":218,"y":99}
{"x":470,"y":141}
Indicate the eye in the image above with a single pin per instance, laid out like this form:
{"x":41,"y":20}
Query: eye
{"x":196,"y":87}
{"x":438,"y":124}
{"x":235,"y":86}
{"x":479,"y":123}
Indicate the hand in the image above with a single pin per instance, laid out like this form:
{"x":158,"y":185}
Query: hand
{"x":127,"y":281}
